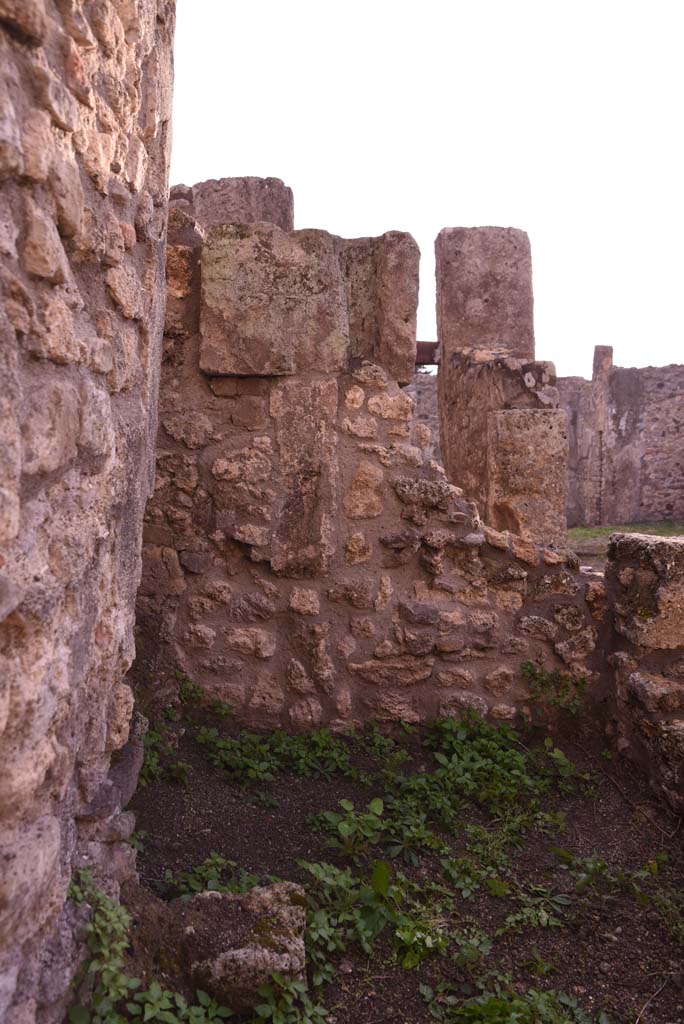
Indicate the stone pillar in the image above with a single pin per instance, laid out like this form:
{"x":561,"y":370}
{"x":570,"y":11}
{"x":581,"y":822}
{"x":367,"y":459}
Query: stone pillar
{"x":645,"y":583}
{"x":85,"y":100}
{"x":505,"y":442}
{"x":503,"y":439}
{"x":484,"y":291}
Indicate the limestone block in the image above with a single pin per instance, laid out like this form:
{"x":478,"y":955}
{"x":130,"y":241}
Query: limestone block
{"x":250,"y":641}
{"x":243,"y":201}
{"x":126,"y":291}
{"x":381,"y":275}
{"x":50,"y":428}
{"x":37,"y":145}
{"x":271,"y":303}
{"x":396,"y":407}
{"x":397,"y":264}
{"x":30,"y":887}
{"x":357,"y":549}
{"x":11,"y":154}
{"x":645,"y":580}
{"x":305,"y":415}
{"x":363,"y":499}
{"x":304,"y":601}
{"x":527,"y":471}
{"x":406,"y":670}
{"x":58,"y":341}
{"x":56,"y":99}
{"x":27,"y":18}
{"x":43,"y":253}
{"x":274,"y":944}
{"x":484,"y":290}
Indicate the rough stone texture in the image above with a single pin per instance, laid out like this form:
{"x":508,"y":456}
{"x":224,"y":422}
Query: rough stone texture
{"x":274,"y":944}
{"x":626,"y":459}
{"x":484,"y":291}
{"x":645,"y":582}
{"x":306,"y":559}
{"x":505,"y":442}
{"x":236,"y":201}
{"x":226,"y":944}
{"x":424,"y":391}
{"x":85,"y":102}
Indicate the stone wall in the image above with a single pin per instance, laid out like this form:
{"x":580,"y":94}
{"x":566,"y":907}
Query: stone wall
{"x":305,"y":559}
{"x":626,"y":452}
{"x":502,"y":437}
{"x":645,"y":580}
{"x":85,"y":102}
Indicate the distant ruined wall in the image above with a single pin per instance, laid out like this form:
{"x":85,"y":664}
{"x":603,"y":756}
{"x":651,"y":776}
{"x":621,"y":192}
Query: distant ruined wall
{"x":305,"y":558}
{"x":85,"y":103}
{"x":424,"y":392}
{"x":502,"y":437}
{"x":626,"y":443}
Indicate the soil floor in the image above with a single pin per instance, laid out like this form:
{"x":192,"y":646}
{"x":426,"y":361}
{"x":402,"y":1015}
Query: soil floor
{"x":615,"y":953}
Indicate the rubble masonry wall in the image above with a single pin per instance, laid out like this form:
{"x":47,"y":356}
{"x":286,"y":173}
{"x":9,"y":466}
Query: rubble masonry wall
{"x":85,"y":103}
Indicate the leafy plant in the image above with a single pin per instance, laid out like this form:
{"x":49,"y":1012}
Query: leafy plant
{"x":249,"y":757}
{"x":189,"y":692}
{"x":155,"y":745}
{"x":554,"y":689}
{"x":351,"y":831}
{"x":215,"y":874}
{"x":115,"y":997}
{"x":287,"y":1001}
{"x":179,"y":771}
{"x":539,"y":907}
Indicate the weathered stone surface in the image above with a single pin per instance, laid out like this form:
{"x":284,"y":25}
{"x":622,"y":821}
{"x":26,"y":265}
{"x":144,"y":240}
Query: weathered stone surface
{"x":242,"y":201}
{"x":43,"y":253}
{"x":645,"y":577}
{"x":382,"y":299}
{"x":505,"y":442}
{"x":484,"y":290}
{"x":625,"y":443}
{"x":527,"y":468}
{"x":304,"y":414}
{"x":403,"y":671}
{"x":76,"y":461}
{"x":275,"y":944}
{"x":281,"y":312}
{"x":363,"y":499}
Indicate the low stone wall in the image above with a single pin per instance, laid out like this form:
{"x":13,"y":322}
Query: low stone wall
{"x":626,"y":459}
{"x":305,"y":559}
{"x":85,"y":102}
{"x":645,"y":580}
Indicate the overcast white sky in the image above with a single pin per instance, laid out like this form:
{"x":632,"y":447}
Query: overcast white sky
{"x":562,"y":118}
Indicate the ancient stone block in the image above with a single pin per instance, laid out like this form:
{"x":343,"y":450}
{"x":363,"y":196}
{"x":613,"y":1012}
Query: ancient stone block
{"x":402,"y":671}
{"x":242,"y":201}
{"x":363,"y":499}
{"x":304,"y":601}
{"x":304,"y":414}
{"x":527,"y":485}
{"x":645,"y":578}
{"x":43,"y":253}
{"x":271,"y":315}
{"x":484,"y":290}
{"x":382,"y":299}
